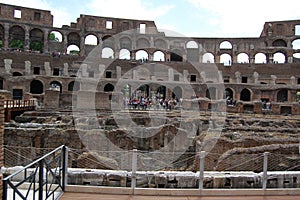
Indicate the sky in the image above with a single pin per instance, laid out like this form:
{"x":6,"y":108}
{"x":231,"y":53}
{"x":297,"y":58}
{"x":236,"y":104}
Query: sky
{"x":189,"y":18}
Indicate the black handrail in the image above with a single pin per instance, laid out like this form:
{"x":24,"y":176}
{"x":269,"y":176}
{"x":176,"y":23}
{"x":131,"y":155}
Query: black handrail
{"x":43,"y":178}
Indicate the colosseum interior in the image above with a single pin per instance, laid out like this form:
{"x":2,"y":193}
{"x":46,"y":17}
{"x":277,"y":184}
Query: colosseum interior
{"x":244,"y":90}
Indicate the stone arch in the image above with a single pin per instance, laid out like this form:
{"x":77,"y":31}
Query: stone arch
{"x":73,"y":49}
{"x":243,"y":58}
{"x":17,"y":74}
{"x":159,"y":56}
{"x":124,"y":54}
{"x":208,"y":58}
{"x":161,"y":92}
{"x":211,"y":93}
{"x":296,"y":55}
{"x":279,"y":43}
{"x":245,"y":95}
{"x":56,"y":85}
{"x":160,"y":44}
{"x":108,"y":41}
{"x":16,"y":37}
{"x":108,"y":52}
{"x":143,"y":90}
{"x":73,"y":86}
{"x":225,"y":45}
{"x":192,"y":51}
{"x":176,"y":55}
{"x":125,"y":43}
{"x":282,"y":95}
{"x":91,"y":39}
{"x":142,"y":43}
{"x":226,"y":59}
{"x":296,"y":44}
{"x":109,"y":87}
{"x":36,"y":87}
{"x":73,"y":38}
{"x":229,"y":93}
{"x":55,"y":36}
{"x":141,"y":55}
{"x":279,"y":57}
{"x":177,"y":92}
{"x":260,"y":58}
{"x":36,"y":37}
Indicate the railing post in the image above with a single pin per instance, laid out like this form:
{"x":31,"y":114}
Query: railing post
{"x":4,"y":192}
{"x":134,"y":166}
{"x":201,"y":169}
{"x":265,"y":171}
{"x":41,"y":181}
{"x":65,"y":167}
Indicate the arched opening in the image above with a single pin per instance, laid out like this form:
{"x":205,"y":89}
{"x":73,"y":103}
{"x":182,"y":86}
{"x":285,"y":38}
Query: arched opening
{"x":108,"y":52}
{"x":225,"y":45}
{"x":142,"y":91}
{"x":161,"y":92}
{"x":296,"y":44}
{"x":279,"y":57}
{"x":159,"y":56}
{"x":296,"y":55}
{"x":109,"y":87}
{"x":125,"y":43}
{"x":245,"y":95}
{"x":142,"y":43}
{"x":141,"y":55}
{"x":228,"y":93}
{"x":36,"y":87}
{"x":282,"y":95}
{"x":211,"y":93}
{"x":176,"y":55}
{"x":126,"y":90}
{"x":243,"y":58}
{"x":73,"y":50}
{"x":279,"y":43}
{"x":192,"y":51}
{"x":36,"y":40}
{"x":208,"y":58}
{"x":74,"y":86}
{"x":177,"y":93}
{"x":55,"y":85}
{"x":74,"y":38}
{"x":16,"y":37}
{"x":260,"y":58}
{"x":17,"y":74}
{"x":124,"y":54}
{"x":108,"y":41}
{"x":225,"y":58}
{"x":91,"y":40}
{"x":55,"y":36}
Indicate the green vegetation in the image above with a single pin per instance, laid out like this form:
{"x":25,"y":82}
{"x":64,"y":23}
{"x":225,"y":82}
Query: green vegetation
{"x":36,"y":46}
{"x":16,"y":43}
{"x":53,"y":38}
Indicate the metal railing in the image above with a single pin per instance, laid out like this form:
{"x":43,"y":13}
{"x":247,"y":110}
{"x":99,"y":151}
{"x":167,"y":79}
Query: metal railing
{"x":41,"y":179}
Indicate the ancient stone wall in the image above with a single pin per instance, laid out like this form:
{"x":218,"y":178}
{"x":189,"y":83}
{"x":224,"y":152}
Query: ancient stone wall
{"x":1,"y":139}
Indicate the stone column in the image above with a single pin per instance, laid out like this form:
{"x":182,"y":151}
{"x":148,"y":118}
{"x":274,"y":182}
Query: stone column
{"x":1,"y":139}
{"x":7,"y":65}
{"x":66,"y":69}
{"x":238,"y":77}
{"x":47,"y":68}
{"x":27,"y":68}
{"x":82,"y":46}
{"x":27,"y":39}
{"x":6,"y":35}
{"x":171,"y":74}
{"x":46,"y":45}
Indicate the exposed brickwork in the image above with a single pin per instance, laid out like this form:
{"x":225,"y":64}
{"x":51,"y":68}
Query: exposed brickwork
{"x":1,"y":139}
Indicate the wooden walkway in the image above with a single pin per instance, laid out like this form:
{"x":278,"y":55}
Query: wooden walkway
{"x":88,"y":196}
{"x":17,"y":106}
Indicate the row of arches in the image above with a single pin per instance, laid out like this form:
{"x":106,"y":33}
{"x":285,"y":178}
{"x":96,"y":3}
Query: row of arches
{"x":73,"y":42}
{"x":38,"y":87}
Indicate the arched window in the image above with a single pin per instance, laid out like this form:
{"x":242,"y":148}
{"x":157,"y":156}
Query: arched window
{"x":73,"y":50}
{"x":124,"y":54}
{"x":141,"y":55}
{"x":107,"y":53}
{"x":243,"y":58}
{"x":225,"y":45}
{"x":55,"y":85}
{"x":260,"y":58}
{"x":36,"y":87}
{"x":279,"y":57}
{"x":245,"y":95}
{"x":109,"y":88}
{"x":159,"y":56}
{"x":226,"y":59}
{"x":91,"y":40}
{"x":208,"y":58}
{"x":282,"y":95}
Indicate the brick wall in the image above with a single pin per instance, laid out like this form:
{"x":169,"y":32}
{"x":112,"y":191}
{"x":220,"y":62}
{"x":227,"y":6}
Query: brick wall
{"x":1,"y":139}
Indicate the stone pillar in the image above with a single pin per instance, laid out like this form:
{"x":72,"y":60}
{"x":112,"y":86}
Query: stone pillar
{"x":7,"y":65}
{"x":255,"y":77}
{"x":66,"y":69}
{"x":185,"y":76}
{"x":273,"y":79}
{"x":84,"y":72}
{"x":46,"y":45}
{"x":6,"y":35}
{"x":82,"y":46}
{"x":27,"y":68}
{"x":27,"y":39}
{"x":203,"y":76}
{"x":293,"y":80}
{"x":171,"y":74}
{"x":1,"y":140}
{"x":47,"y":68}
{"x":238,"y":77}
{"x":51,"y":99}
{"x":119,"y":72}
